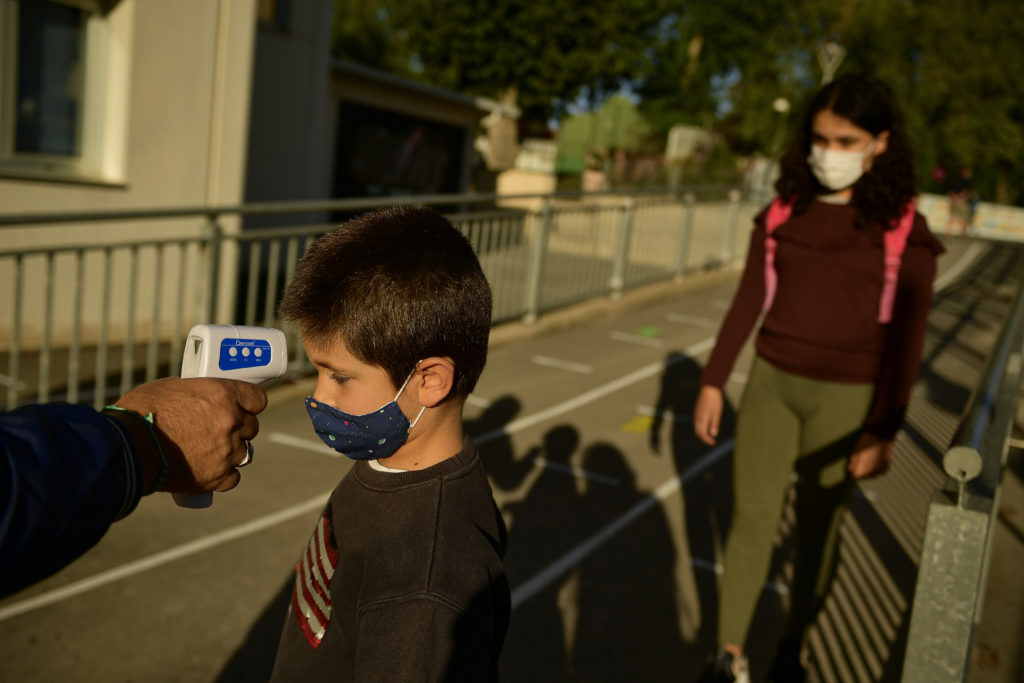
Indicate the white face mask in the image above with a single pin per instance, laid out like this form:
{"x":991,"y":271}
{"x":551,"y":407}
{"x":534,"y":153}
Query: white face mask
{"x":837,"y":169}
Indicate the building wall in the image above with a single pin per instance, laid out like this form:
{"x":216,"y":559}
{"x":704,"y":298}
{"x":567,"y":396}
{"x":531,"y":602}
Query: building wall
{"x":178,"y":78}
{"x":177,"y":92}
{"x":291,"y":131}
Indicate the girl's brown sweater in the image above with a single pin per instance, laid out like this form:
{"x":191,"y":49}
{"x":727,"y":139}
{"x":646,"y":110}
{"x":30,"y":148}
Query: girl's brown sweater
{"x":823,"y":321}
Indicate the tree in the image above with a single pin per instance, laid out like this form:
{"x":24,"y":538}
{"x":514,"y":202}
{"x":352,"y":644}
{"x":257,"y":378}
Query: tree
{"x":721,"y":64}
{"x":362,"y":33}
{"x":954,"y":66}
{"x":548,"y":54}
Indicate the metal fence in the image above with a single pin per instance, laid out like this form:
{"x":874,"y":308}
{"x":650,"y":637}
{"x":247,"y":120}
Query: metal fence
{"x":90,"y":311}
{"x":957,"y":546}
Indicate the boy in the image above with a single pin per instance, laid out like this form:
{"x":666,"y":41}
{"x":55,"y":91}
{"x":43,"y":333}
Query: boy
{"x":402,"y":579}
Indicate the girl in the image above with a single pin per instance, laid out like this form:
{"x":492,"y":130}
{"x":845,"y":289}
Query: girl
{"x":837,"y":351}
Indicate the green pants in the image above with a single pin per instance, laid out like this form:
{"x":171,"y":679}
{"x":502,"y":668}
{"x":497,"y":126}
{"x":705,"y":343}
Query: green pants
{"x":787,"y":422}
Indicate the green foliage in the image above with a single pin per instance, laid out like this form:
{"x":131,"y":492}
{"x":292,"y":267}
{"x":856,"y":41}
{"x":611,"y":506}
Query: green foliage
{"x":549,"y":52}
{"x":956,"y":65}
{"x":361,"y":33}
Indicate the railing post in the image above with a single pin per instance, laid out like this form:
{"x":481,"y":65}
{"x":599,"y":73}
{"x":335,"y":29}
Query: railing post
{"x":535,"y":269}
{"x":128,"y":350}
{"x":100,"y":393}
{"x":685,"y":235}
{"x":214,"y":236}
{"x":731,"y":226}
{"x":618,"y":280}
{"x":957,"y":548}
{"x":46,"y":351}
{"x":14,"y":355}
{"x":942,"y":618}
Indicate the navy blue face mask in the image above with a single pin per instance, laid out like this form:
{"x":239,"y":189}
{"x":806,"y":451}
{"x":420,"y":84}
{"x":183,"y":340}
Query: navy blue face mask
{"x":375,"y":435}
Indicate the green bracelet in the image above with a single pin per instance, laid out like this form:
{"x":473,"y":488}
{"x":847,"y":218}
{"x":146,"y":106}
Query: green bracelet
{"x":147,"y":419}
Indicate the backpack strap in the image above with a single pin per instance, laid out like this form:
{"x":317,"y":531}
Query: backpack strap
{"x":895,"y":243}
{"x":778,"y":213}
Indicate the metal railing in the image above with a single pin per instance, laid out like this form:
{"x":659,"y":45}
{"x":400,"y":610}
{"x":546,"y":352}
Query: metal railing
{"x":91,"y":309}
{"x":960,"y":528}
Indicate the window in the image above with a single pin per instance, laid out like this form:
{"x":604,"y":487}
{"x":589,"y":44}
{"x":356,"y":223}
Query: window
{"x":53,"y":72}
{"x":275,"y":14}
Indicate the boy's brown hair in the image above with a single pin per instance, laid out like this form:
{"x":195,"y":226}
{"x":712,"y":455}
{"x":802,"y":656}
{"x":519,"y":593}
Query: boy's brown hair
{"x":396,"y":285}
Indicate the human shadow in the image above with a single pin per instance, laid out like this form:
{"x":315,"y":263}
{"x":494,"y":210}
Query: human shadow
{"x":627,"y":624}
{"x":489,"y":433}
{"x":540,"y":525}
{"x":706,"y":475}
{"x":254,"y":659}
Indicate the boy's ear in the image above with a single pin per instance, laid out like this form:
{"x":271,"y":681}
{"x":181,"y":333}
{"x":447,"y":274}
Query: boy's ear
{"x":436,"y":380}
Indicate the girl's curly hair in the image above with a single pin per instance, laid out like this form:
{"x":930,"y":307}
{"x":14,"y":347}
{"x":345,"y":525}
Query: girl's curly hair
{"x":882,"y":192}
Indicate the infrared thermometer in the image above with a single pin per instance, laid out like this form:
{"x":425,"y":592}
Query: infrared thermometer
{"x":250,"y":354}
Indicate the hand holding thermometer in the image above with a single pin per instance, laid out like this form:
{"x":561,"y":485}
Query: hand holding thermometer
{"x":251,"y":354}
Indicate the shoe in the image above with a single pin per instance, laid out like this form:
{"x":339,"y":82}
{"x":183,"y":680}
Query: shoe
{"x":788,"y":666}
{"x":726,"y":668}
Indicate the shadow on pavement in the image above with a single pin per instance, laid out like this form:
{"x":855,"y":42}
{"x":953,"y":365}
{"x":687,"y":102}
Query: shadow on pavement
{"x":254,"y":660}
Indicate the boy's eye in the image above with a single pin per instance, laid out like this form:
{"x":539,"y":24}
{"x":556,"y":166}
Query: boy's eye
{"x":338,"y":379}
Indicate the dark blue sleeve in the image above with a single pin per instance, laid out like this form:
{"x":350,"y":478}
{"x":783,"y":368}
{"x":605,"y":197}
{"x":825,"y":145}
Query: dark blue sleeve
{"x":66,"y":473}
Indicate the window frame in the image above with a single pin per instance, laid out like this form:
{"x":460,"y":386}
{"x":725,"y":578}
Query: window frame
{"x":90,"y":164}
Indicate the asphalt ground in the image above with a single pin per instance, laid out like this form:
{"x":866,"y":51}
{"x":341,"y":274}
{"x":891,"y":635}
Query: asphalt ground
{"x":616,"y":515}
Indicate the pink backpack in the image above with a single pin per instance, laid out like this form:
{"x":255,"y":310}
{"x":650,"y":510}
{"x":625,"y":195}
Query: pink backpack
{"x":895,"y":242}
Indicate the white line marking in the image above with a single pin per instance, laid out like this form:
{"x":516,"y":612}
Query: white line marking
{"x":867,"y":494}
{"x":546,"y":576}
{"x":267,"y":521}
{"x":975,"y":250}
{"x":522,"y":592}
{"x":477,"y":401}
{"x":7,"y":380}
{"x":675,"y":417}
{"x":307,"y":444}
{"x":707,"y":565}
{"x":576,"y":471}
{"x":689,"y":320}
{"x":635,"y":339}
{"x":549,"y":362}
{"x":157,"y":559}
{"x":721,"y":304}
{"x":592,"y":395}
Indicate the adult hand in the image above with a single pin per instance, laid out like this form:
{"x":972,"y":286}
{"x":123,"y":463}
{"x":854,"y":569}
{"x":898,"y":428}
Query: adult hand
{"x":707,"y":414}
{"x":871,"y":457}
{"x":203,"y":424}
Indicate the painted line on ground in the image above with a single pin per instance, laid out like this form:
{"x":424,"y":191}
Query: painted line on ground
{"x":553,"y":571}
{"x":675,"y":417}
{"x":318,"y":447}
{"x":261,"y":523}
{"x":549,"y":362}
{"x":577,"y":472}
{"x":635,"y":339}
{"x":522,"y":592}
{"x":170,"y":555}
{"x":708,"y":565}
{"x":975,"y":250}
{"x":594,"y":394}
{"x":7,"y":380}
{"x":477,"y":402}
{"x":696,"y":320}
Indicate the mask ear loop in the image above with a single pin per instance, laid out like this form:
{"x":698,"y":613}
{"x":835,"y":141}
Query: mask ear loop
{"x":404,"y":384}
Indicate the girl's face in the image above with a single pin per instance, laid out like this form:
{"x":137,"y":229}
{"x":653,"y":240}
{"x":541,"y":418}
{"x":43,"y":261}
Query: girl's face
{"x":831,"y":131}
{"x":842,"y":151}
